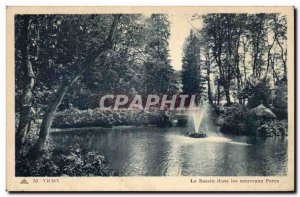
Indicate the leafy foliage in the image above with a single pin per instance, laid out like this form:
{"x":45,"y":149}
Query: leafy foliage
{"x":191,"y":76}
{"x":258,"y":91}
{"x":72,"y":163}
{"x":73,"y":118}
{"x":232,"y":120}
{"x":273,"y":128}
{"x":280,"y":103}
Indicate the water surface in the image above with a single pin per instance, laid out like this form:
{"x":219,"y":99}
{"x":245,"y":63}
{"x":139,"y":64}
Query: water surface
{"x":152,"y":151}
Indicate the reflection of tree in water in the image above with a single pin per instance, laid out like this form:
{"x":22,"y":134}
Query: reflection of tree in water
{"x":83,"y":141}
{"x":148,"y":151}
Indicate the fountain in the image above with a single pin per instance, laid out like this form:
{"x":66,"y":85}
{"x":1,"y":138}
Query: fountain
{"x":197,"y":114}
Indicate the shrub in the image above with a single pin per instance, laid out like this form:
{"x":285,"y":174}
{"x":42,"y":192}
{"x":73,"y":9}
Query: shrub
{"x":73,"y":163}
{"x":104,"y":118}
{"x":258,"y":91}
{"x":273,"y":128}
{"x":232,"y":120}
{"x":280,"y":100}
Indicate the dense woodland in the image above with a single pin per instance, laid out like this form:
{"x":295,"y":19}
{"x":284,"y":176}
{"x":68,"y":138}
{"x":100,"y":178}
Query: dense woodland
{"x":242,"y":61}
{"x":65,"y":63}
{"x":233,"y":53}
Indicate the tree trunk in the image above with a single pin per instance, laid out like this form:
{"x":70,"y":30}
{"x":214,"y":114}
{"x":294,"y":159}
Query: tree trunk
{"x":209,"y":94}
{"x":268,"y":59}
{"x":210,"y":99}
{"x":48,"y":118}
{"x":244,"y":60}
{"x":27,"y":97}
{"x":275,"y":76}
{"x":227,"y":93}
{"x":25,"y":116}
{"x":239,"y":81}
{"x":283,"y":58}
{"x":239,"y":90}
{"x":218,"y":92}
{"x":39,"y":147}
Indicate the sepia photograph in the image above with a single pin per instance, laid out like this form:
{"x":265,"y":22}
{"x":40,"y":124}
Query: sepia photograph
{"x":201,"y":96}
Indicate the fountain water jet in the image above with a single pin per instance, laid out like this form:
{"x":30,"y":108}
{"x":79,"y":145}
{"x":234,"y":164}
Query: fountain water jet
{"x":197,"y":114}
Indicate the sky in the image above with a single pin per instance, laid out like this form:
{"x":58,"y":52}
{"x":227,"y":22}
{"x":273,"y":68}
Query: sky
{"x":179,"y":29}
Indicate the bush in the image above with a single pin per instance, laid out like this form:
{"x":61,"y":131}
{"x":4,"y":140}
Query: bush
{"x":258,"y":91}
{"x":273,"y":128}
{"x":73,"y":163}
{"x":104,"y":118}
{"x":280,"y":102}
{"x":236,"y":120}
{"x":232,"y":120}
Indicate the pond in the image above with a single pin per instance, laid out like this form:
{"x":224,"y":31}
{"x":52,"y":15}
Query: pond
{"x":152,"y":151}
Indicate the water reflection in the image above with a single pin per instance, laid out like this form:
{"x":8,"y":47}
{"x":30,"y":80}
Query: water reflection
{"x":149,"y":151}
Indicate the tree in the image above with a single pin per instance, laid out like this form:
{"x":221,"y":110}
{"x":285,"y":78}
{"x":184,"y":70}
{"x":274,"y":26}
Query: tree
{"x":208,"y":67}
{"x":91,"y":60}
{"x":258,"y":34}
{"x":279,"y":24}
{"x":159,"y":76}
{"x":191,"y":72}
{"x":132,"y":66}
{"x":280,"y":101}
{"x":26,"y":109}
{"x":258,"y":92}
{"x":124,"y":66}
{"x":223,"y":33}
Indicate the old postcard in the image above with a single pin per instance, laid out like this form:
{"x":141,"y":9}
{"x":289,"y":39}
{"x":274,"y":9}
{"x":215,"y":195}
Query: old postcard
{"x":150,"y":99}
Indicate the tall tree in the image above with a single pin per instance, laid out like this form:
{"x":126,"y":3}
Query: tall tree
{"x":91,"y":60}
{"x":240,"y":43}
{"x":208,"y":67}
{"x":191,"y":73}
{"x":223,"y":35}
{"x":258,"y":35}
{"x":159,"y":76}
{"x":26,"y":108}
{"x":279,"y":24}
